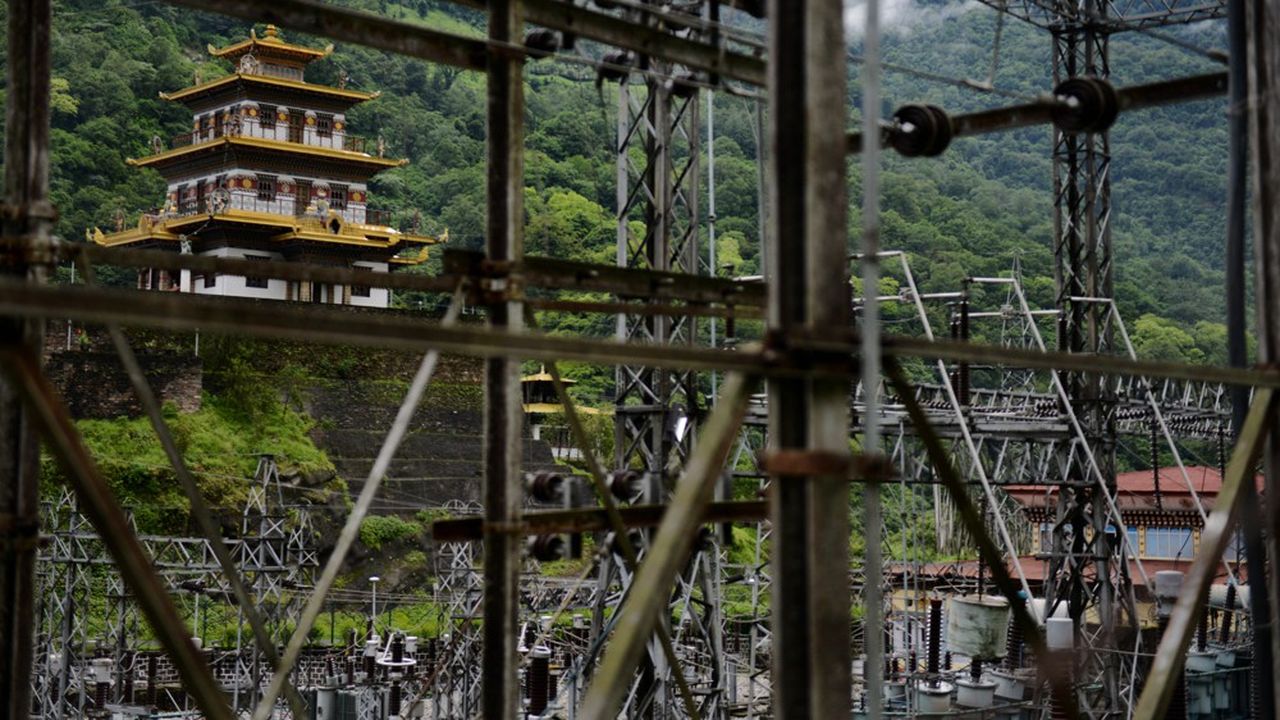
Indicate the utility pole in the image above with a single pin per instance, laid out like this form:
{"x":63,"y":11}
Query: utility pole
{"x":502,"y":413}
{"x":27,"y":217}
{"x":1262,"y":22}
{"x":809,"y":292}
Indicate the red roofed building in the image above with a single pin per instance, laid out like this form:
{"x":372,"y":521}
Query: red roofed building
{"x":1160,"y":516}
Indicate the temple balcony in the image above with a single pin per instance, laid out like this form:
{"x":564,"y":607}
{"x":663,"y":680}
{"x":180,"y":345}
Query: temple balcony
{"x":337,"y":140}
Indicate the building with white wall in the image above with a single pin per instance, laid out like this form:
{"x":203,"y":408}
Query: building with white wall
{"x":269,"y":171}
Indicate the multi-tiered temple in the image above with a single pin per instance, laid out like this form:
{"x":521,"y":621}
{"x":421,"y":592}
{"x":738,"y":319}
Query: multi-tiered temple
{"x":269,"y":172}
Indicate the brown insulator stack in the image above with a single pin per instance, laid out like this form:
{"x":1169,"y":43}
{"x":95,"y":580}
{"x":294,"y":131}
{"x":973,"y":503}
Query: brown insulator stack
{"x":539,"y":680}
{"x":393,"y":702}
{"x":151,"y":680}
{"x":1013,"y":642}
{"x":935,"y":636}
{"x":1228,"y":616}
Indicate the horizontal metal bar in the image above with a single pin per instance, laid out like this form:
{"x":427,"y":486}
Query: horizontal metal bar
{"x":1135,"y":97}
{"x":825,"y":356}
{"x":278,"y":320}
{"x":581,"y":306}
{"x":552,"y":273}
{"x":610,"y":30}
{"x":595,"y":520}
{"x":377,"y":32}
{"x":534,"y":272}
{"x":354,"y":26}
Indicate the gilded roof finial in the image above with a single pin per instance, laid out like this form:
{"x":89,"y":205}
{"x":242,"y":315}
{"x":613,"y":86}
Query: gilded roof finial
{"x":273,"y":33}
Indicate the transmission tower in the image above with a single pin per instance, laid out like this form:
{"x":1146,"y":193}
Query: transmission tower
{"x":1089,"y":570}
{"x":659,"y":166}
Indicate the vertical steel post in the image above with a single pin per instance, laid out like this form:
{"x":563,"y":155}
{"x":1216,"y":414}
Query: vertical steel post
{"x":27,"y":215}
{"x":810,"y":514}
{"x":1237,"y":353}
{"x":873,"y":522}
{"x":1263,"y":52}
{"x":503,"y":417}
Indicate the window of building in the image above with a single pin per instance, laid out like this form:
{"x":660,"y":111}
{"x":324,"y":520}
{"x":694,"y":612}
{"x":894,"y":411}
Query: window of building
{"x":1171,"y":543}
{"x":186,"y":204}
{"x":267,"y":116}
{"x":361,"y":290}
{"x":324,"y":125}
{"x":267,"y":188}
{"x":255,"y":281}
{"x":210,"y":280}
{"x":1046,"y":537}
{"x":338,"y":196}
{"x":1133,"y":546}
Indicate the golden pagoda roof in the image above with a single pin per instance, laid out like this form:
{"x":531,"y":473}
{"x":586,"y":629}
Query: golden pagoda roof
{"x":552,"y":408}
{"x":380,"y":163}
{"x":355,"y":96}
{"x":277,"y":228}
{"x":543,"y":376}
{"x":270,"y":45}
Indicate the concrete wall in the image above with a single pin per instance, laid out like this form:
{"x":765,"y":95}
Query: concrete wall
{"x":94,"y":385}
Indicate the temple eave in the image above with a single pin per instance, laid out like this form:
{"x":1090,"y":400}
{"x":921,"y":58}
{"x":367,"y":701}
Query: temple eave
{"x":298,"y":149}
{"x":354,"y":96}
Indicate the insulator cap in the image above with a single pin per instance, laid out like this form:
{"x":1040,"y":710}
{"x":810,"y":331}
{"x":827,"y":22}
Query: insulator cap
{"x":624,"y":484}
{"x":614,"y":543}
{"x":544,"y":486}
{"x":546,"y":548}
{"x":541,"y":42}
{"x":921,"y":131}
{"x":615,"y":66}
{"x":1086,"y":104}
{"x":684,"y":85}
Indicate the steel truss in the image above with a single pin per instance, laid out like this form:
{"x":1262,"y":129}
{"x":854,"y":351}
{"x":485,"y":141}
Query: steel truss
{"x":86,"y":612}
{"x":658,"y":410}
{"x":814,"y":239}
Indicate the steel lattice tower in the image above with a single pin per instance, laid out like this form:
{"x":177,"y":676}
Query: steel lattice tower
{"x":1089,"y":568}
{"x":656,"y":410}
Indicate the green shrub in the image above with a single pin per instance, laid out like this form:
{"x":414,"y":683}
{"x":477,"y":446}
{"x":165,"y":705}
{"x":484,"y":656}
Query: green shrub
{"x":377,"y":530}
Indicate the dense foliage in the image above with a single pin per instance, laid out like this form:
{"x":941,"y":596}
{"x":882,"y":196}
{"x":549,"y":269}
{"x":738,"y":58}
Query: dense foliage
{"x":977,"y":210}
{"x":972,"y":212}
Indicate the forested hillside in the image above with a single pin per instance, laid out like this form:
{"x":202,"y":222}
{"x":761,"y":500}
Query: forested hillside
{"x":973,"y":211}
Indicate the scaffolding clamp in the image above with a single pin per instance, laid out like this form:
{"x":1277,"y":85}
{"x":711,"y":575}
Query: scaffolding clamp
{"x":797,"y":463}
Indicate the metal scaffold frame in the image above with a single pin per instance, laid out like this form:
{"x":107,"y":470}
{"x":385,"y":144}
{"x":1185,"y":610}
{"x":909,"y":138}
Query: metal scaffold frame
{"x":951,"y":432}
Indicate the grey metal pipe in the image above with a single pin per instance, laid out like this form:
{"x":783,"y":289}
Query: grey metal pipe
{"x":869,"y":325}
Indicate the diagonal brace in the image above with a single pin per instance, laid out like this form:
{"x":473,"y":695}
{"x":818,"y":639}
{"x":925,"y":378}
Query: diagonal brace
{"x":350,"y":529}
{"x":638,"y":616}
{"x":972,"y":520}
{"x":204,"y":518}
{"x":109,"y":520}
{"x":629,"y":555}
{"x":1167,"y":665}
